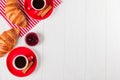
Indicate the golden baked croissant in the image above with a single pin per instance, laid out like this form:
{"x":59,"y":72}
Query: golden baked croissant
{"x":14,"y":13}
{"x":8,"y":40}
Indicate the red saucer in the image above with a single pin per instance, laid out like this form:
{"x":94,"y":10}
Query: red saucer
{"x":34,"y":13}
{"x":20,"y":51}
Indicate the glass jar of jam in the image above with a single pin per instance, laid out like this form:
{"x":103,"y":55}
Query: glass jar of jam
{"x":32,"y":39}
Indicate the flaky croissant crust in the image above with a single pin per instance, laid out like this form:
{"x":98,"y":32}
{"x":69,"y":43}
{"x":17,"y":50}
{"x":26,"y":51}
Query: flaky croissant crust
{"x":14,"y":13}
{"x":8,"y":40}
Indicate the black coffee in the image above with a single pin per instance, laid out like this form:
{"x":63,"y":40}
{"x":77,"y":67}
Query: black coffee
{"x":38,"y":4}
{"x":20,"y":62}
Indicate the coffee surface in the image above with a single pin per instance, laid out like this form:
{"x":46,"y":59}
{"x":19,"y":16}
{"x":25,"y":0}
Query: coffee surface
{"x":38,"y":4}
{"x":20,"y":62}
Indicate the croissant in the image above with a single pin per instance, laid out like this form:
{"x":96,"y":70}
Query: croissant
{"x":8,"y":40}
{"x":14,"y":13}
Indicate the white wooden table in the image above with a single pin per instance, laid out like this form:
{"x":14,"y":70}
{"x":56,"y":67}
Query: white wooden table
{"x":81,"y":42}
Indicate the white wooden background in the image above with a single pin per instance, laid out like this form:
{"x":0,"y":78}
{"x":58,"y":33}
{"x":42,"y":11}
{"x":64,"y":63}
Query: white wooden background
{"x":81,"y":41}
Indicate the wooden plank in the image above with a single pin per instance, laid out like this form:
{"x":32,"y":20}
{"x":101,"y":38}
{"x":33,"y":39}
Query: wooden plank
{"x":75,"y":40}
{"x":96,"y":39}
{"x":53,"y":47}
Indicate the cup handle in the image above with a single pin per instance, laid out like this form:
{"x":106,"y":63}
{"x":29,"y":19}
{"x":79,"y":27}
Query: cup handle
{"x":30,"y":58}
{"x":29,"y":8}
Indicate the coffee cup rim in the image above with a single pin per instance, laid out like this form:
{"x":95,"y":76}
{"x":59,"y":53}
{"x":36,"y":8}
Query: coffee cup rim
{"x":40,"y":8}
{"x":13,"y":62}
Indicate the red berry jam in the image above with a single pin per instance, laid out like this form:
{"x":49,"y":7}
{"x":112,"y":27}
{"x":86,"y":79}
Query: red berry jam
{"x":31,"y":39}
